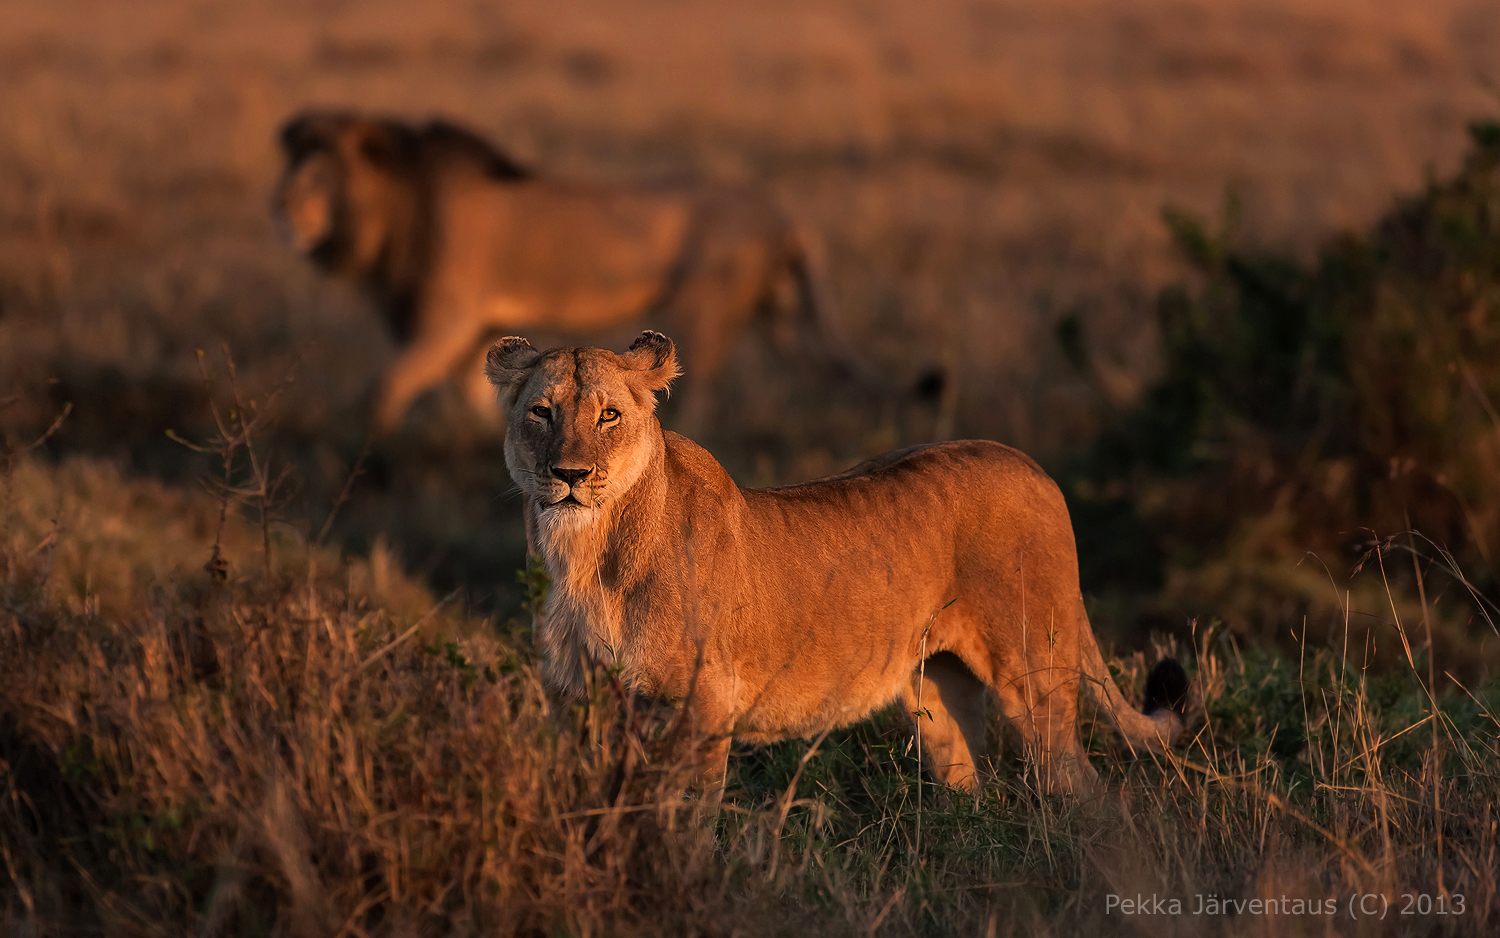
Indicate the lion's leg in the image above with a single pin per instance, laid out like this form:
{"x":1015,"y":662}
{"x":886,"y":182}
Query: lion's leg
{"x":719,"y":300}
{"x":428,"y":360}
{"x":478,"y":392}
{"x":1043,"y":707}
{"x":950,"y":715}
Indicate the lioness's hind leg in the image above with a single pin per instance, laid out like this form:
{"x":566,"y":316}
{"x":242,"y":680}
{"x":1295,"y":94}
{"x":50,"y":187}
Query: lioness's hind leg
{"x":950,"y":713}
{"x":1043,"y":707}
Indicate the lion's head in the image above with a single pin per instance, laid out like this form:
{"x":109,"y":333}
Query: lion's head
{"x":334,"y":198}
{"x":352,"y":181}
{"x":581,"y":425}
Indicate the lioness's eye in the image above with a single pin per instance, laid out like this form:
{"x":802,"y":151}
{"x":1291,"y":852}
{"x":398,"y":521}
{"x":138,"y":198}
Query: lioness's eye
{"x":542,"y":411}
{"x":609,"y":415}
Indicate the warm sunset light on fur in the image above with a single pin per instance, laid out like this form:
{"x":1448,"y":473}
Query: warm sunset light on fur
{"x":1068,"y":502}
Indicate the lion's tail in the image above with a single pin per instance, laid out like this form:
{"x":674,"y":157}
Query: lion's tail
{"x":935,"y":384}
{"x":809,"y":265}
{"x":1159,"y":724}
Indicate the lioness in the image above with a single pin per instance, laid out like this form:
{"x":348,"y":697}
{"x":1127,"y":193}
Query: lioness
{"x":456,"y":241}
{"x":787,"y":611}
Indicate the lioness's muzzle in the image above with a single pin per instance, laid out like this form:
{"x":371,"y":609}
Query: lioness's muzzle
{"x":571,"y":476}
{"x":581,"y":484}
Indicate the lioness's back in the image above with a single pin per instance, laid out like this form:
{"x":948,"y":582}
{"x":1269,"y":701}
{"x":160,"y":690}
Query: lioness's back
{"x":979,"y":472}
{"x":929,"y":517}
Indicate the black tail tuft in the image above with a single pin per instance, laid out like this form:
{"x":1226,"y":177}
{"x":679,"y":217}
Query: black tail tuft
{"x":1166,"y":686}
{"x":931,"y":384}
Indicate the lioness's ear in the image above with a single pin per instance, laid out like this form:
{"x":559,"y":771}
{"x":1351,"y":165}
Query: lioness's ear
{"x":654,"y":355}
{"x":507,"y":363}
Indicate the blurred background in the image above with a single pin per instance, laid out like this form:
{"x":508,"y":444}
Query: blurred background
{"x":1227,"y":268}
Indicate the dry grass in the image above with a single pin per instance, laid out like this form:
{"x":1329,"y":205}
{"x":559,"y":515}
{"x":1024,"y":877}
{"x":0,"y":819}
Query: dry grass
{"x":311,"y":751}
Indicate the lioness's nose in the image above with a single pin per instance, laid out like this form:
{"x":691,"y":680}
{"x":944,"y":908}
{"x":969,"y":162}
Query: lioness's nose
{"x":571,"y":476}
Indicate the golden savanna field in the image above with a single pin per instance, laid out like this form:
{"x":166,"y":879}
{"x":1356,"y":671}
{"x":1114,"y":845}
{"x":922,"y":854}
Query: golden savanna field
{"x":1230,"y":271}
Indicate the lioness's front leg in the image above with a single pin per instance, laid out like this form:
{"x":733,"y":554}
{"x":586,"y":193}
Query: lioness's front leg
{"x":711,"y":711}
{"x":949,"y":713}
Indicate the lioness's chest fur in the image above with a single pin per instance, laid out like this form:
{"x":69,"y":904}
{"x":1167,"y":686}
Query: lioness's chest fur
{"x":584,"y":620}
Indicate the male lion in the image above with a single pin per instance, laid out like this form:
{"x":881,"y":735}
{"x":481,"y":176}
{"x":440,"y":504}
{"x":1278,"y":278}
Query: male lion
{"x":455,"y":241}
{"x":783,"y":612}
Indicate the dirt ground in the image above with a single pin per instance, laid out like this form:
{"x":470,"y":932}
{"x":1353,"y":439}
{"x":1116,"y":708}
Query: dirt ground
{"x":981,"y":173}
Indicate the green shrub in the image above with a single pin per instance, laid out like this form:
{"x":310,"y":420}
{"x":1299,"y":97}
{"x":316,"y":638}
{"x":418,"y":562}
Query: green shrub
{"x":1322,"y":408}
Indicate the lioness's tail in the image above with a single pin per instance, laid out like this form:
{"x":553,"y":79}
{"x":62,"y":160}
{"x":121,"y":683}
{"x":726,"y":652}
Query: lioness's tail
{"x":1159,"y":724}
